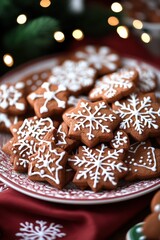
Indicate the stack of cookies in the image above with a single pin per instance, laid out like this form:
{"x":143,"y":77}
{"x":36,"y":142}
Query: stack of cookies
{"x":92,"y":119}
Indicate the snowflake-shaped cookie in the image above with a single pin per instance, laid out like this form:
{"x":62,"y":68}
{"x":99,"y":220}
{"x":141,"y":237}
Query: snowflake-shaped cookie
{"x":40,"y":230}
{"x":140,"y":114}
{"x":147,"y":78}
{"x":77,"y":77}
{"x":48,"y":164}
{"x":63,"y":140}
{"x":103,"y":59}
{"x":6,"y":121}
{"x":48,"y":99}
{"x":91,"y":122}
{"x":12,"y":99}
{"x":114,"y":86}
{"x":98,"y":168}
{"x":142,"y":161}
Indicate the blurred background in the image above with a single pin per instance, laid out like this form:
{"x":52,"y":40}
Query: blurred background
{"x":36,"y":28}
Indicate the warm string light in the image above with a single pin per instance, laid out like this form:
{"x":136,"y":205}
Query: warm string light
{"x":123,"y":31}
{"x":59,"y":36}
{"x":8,"y":60}
{"x":116,"y":7}
{"x":45,"y":3}
{"x":145,"y":37}
{"x":113,"y":21}
{"x":137,"y":24}
{"x":78,"y":34}
{"x":21,"y":19}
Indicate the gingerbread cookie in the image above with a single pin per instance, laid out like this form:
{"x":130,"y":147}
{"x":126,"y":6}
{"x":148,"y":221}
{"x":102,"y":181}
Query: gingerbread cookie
{"x":12,"y":99}
{"x":63,"y":141}
{"x":6,"y":121}
{"x":48,"y":164}
{"x":102,"y":58}
{"x":114,"y":86}
{"x":140,"y":115}
{"x":120,"y":140}
{"x":98,"y":168}
{"x":155,"y":203}
{"x":77,"y":77}
{"x":49,"y":99}
{"x":73,"y":100}
{"x":91,"y":122}
{"x":143,"y":161}
{"x":147,"y":78}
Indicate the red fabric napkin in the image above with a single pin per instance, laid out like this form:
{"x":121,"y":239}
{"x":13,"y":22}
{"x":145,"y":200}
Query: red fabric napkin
{"x":23,"y":217}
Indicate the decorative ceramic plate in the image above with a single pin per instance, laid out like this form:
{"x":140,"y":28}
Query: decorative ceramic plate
{"x":70,"y":194}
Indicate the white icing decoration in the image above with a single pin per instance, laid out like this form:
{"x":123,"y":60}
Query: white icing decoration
{"x":99,"y":164}
{"x":118,"y":140}
{"x":48,"y":96}
{"x":44,"y":161}
{"x":10,"y":95}
{"x":109,"y":85}
{"x":36,"y":128}
{"x":139,"y":229}
{"x":72,"y":100}
{"x":73,"y":75}
{"x":142,"y":163}
{"x":93,"y":119}
{"x":41,"y":230}
{"x":4,"y":118}
{"x":62,"y":140}
{"x":99,"y":58}
{"x":137,"y":113}
{"x":157,"y":208}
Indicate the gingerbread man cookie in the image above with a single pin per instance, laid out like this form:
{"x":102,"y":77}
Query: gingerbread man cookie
{"x":99,"y":167}
{"x":114,"y":86}
{"x":140,"y":115}
{"x":91,"y":122}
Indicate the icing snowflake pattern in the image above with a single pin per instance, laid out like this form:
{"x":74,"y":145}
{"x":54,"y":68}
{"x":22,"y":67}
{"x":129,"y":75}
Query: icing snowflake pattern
{"x":110,"y":86}
{"x":10,"y":95}
{"x":86,"y":118}
{"x":99,"y":164}
{"x":137,"y":113}
{"x":41,"y":230}
{"x":4,"y":118}
{"x":62,"y":138}
{"x":73,"y":75}
{"x":99,"y":58}
{"x":49,"y":95}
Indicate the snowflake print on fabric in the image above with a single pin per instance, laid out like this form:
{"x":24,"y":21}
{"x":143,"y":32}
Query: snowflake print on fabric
{"x":48,"y":164}
{"x":40,"y":230}
{"x":11,"y":98}
{"x":98,"y":167}
{"x":142,"y":161}
{"x":114,"y":86}
{"x":91,"y":122}
{"x":103,"y":59}
{"x":77,"y":77}
{"x":140,"y":115}
{"x":120,"y":140}
{"x":47,"y":99}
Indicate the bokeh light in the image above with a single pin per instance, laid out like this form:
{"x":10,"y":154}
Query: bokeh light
{"x":21,"y":19}
{"x":137,"y":24}
{"x":145,"y":37}
{"x":45,"y":3}
{"x":116,"y":7}
{"x":8,"y":60}
{"x":78,"y":34}
{"x":59,"y":36}
{"x":123,"y":31}
{"x":113,"y":21}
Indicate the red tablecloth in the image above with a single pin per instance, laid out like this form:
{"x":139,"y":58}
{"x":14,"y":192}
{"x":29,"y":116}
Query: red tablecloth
{"x":23,"y":217}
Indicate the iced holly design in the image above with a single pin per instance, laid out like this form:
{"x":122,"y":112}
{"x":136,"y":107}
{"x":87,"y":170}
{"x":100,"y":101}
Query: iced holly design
{"x":34,"y":127}
{"x":147,"y":76}
{"x":140,"y":115}
{"x":117,"y":85}
{"x":48,"y":95}
{"x":75,"y":76}
{"x":120,"y":140}
{"x":99,"y":57}
{"x":98,"y":167}
{"x":11,"y":96}
{"x":40,"y":230}
{"x":48,"y":164}
{"x":91,"y":117}
{"x":141,"y":161}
